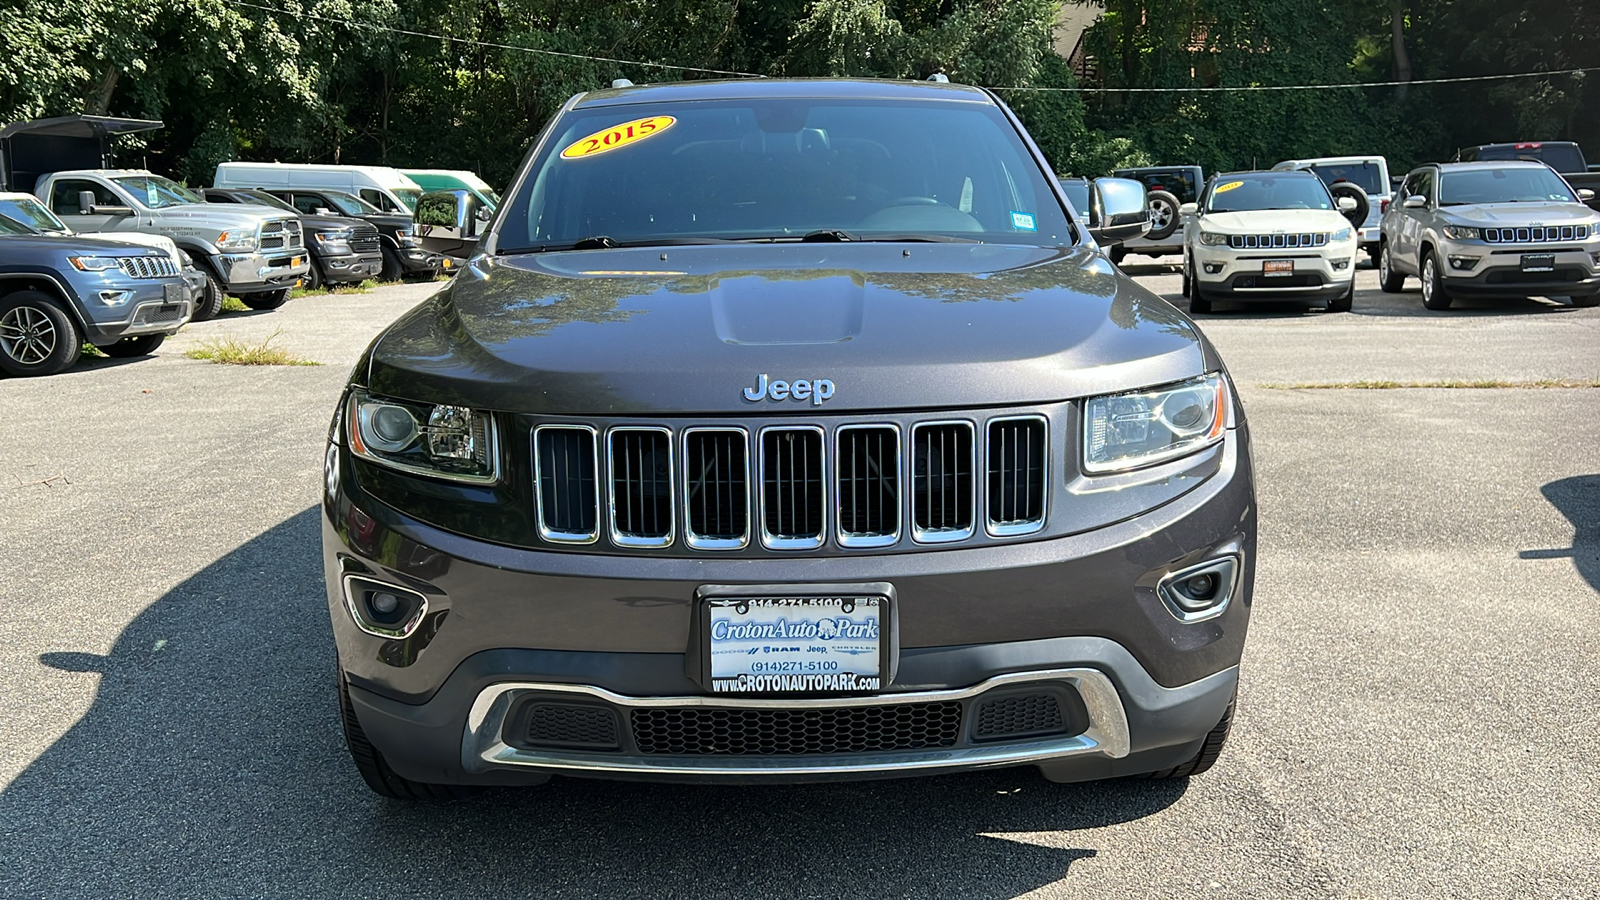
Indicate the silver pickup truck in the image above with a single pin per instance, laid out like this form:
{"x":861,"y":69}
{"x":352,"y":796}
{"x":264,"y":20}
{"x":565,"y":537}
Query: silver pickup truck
{"x":252,"y":252}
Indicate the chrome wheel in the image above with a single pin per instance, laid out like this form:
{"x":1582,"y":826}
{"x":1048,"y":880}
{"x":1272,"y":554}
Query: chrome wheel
{"x":27,"y":335}
{"x":1383,"y":264}
{"x":1428,"y":273}
{"x":1160,"y":215}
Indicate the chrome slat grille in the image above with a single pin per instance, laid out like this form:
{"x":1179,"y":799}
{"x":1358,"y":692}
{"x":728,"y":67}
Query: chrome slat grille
{"x":565,"y":467}
{"x":867,"y":474}
{"x":942,"y":483}
{"x":281,"y":234}
{"x":1536,"y":235}
{"x":1017,"y":465}
{"x":716,"y":489}
{"x":1277,"y":241}
{"x":792,"y":477}
{"x":147,"y":266}
{"x":641,"y":487}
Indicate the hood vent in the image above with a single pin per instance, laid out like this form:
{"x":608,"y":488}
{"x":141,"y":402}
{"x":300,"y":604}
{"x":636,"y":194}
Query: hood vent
{"x":941,"y":481}
{"x":641,"y":487}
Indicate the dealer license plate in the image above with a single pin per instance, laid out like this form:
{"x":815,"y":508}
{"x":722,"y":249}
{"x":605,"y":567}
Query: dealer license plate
{"x":789,"y":644}
{"x":1538,"y":262}
{"x":174,"y":293}
{"x":1277,"y":267}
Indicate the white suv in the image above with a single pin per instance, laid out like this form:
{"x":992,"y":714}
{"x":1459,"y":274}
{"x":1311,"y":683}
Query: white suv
{"x":1368,"y":174}
{"x":1258,"y":235}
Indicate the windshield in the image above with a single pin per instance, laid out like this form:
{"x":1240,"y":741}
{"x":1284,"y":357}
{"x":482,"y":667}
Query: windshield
{"x":350,"y":204}
{"x":782,"y":169}
{"x":409,"y":196}
{"x":1518,"y":185}
{"x":1365,"y":175}
{"x":9,"y":226}
{"x":31,"y":213}
{"x":1561,"y":157}
{"x":156,"y":192}
{"x":265,"y":199}
{"x":1267,"y":190}
{"x":1077,"y":191}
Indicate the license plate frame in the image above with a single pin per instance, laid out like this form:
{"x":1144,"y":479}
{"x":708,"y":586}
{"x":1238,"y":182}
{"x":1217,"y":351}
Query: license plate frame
{"x":1538,"y":262}
{"x":799,"y":665}
{"x":174,"y":293}
{"x":1275,"y":268}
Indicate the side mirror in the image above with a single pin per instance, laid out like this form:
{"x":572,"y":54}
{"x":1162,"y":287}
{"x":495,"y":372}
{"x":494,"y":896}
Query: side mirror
{"x":1346,"y":204}
{"x":447,"y":222}
{"x":1123,"y":211}
{"x":324,"y":211}
{"x":1189,"y":209}
{"x":1415,"y":201}
{"x":1585,"y":195}
{"x":87,"y":207}
{"x":85,"y":202}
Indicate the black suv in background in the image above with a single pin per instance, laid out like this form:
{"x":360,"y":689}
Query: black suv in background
{"x":1565,"y":157}
{"x":343,"y":249}
{"x":403,"y":256}
{"x":1167,"y":188}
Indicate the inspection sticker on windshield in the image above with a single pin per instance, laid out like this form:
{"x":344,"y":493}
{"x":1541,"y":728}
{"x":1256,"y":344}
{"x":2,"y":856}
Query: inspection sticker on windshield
{"x":617,"y":136}
{"x":1021,"y":221}
{"x":1227,"y":187}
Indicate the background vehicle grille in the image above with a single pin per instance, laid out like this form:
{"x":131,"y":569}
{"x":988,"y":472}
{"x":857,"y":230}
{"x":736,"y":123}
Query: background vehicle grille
{"x":1016,"y":475}
{"x":941,"y":478}
{"x":773,"y":732}
{"x":791,"y":488}
{"x":281,"y":234}
{"x":365,"y":240}
{"x":641,"y":486}
{"x":147,"y":266}
{"x":1536,"y":235}
{"x":158,"y":314}
{"x":868,"y":477}
{"x":1018,"y":716}
{"x":569,"y":499}
{"x":1277,"y":241}
{"x":717,"y":490}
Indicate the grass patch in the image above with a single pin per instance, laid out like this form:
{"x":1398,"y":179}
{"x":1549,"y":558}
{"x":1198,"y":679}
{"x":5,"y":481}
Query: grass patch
{"x":234,"y":304}
{"x":1440,"y":384}
{"x":234,"y":352}
{"x":359,"y":287}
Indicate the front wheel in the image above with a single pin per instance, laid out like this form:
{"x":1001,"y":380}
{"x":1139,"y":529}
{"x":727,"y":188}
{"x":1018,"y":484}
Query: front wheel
{"x":1345,"y":301}
{"x":312,"y":280}
{"x":1586,"y":301}
{"x":392,"y":269}
{"x":209,"y":303}
{"x":127,"y":348}
{"x":37,"y":337}
{"x":1198,"y":302}
{"x":1388,"y":279}
{"x":1188,"y":283}
{"x":1434,"y":296}
{"x":266,"y":300}
{"x":375,"y":770}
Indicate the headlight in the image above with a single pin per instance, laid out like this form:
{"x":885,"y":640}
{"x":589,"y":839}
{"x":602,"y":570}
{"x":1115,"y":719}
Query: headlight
{"x":407,"y":237}
{"x":236,"y":241}
{"x":1213,"y":238}
{"x":1342,"y":235}
{"x":334,"y":241}
{"x":450,"y":442}
{"x":1460,"y":233}
{"x":93,"y":263}
{"x":1127,"y":431}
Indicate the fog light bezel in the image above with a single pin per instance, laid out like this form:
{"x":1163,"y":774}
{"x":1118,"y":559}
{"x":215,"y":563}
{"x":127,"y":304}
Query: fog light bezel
{"x":356,"y":588}
{"x":1225,"y":568}
{"x":1464,"y":263}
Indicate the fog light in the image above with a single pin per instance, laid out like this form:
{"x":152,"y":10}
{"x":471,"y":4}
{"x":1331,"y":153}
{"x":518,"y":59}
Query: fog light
{"x":383,"y":610}
{"x":1199,"y":592}
{"x":1463,"y":262}
{"x":1339,"y":265}
{"x":1213,"y":268}
{"x":384,"y":603}
{"x":115,"y":298}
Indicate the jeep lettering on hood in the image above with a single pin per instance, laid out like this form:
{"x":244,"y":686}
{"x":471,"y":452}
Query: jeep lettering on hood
{"x":818,"y":390}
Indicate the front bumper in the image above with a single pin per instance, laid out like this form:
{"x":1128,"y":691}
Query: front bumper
{"x":349,"y":267}
{"x":247,"y":273}
{"x":417,"y":261}
{"x":152,"y":309}
{"x":1240,"y":275}
{"x":1496,"y":270}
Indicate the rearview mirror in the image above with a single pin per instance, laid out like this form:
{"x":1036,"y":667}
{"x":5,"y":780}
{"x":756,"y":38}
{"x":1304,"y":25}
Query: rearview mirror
{"x":448,"y":222}
{"x":1121,"y":212}
{"x":1346,"y":204}
{"x":1415,"y":201}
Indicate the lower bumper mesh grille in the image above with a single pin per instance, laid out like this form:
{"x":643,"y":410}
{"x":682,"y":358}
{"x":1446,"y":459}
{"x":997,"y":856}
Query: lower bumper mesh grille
{"x":1018,"y":716}
{"x":570,"y":725}
{"x":776,"y":732}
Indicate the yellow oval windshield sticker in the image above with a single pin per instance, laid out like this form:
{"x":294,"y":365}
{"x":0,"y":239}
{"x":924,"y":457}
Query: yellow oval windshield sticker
{"x":1227,"y":187}
{"x":617,"y":136}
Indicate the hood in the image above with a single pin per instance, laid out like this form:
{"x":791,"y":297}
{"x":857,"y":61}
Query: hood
{"x":688,"y":329}
{"x":1275,"y":221}
{"x":157,"y":241}
{"x":1518,"y":214}
{"x":32,"y":248}
{"x":219,"y":216}
{"x":312,"y":224}
{"x":389,"y":223}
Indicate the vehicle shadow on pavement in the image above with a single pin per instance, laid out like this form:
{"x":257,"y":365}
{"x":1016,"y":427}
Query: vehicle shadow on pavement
{"x":1577,"y":498}
{"x":211,"y":764}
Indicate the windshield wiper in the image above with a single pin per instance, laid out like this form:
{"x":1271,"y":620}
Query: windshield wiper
{"x":606,"y":242}
{"x":839,"y":235}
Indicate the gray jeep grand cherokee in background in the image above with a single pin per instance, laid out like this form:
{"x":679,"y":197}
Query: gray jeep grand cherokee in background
{"x":785,"y":430}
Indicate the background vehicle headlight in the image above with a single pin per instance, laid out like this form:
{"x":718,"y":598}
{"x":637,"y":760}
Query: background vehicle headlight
{"x":1460,"y":233}
{"x":236,"y":241}
{"x":1213,"y":238}
{"x":1127,"y":431}
{"x":406,"y":237}
{"x":450,"y":442}
{"x":1342,"y":235}
{"x":93,"y":263}
{"x":334,"y":241}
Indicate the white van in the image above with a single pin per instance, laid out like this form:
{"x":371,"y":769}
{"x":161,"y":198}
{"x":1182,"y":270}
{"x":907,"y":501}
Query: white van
{"x":383,"y":187}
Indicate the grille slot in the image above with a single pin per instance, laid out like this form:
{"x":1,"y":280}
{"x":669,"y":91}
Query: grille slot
{"x":716,"y":489}
{"x":1017,"y":458}
{"x":569,"y":488}
{"x":569,"y":725}
{"x":793,"y":511}
{"x":641,"y":487}
{"x":779,"y":732}
{"x":942,"y":482}
{"x":867,"y":473}
{"x":1022,"y":715}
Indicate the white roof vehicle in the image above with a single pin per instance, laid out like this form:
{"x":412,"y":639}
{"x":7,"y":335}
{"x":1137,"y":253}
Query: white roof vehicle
{"x":1369,"y":173}
{"x":386,"y":188}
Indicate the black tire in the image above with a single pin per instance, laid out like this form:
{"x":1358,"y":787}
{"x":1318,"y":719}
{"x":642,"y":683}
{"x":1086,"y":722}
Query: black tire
{"x":1344,"y":301}
{"x":312,"y":280}
{"x":392,"y":269}
{"x":209,"y":303}
{"x":418,"y":277}
{"x":127,"y":348}
{"x":1188,"y":283}
{"x":1117,"y":254}
{"x":1585,"y":302}
{"x":1199,"y":304}
{"x":1389,"y":280}
{"x":266,"y":300}
{"x":1163,"y":214}
{"x":37,"y":336}
{"x":1372,"y":255}
{"x":1434,"y":296}
{"x":383,"y":780}
{"x":1209,"y":751}
{"x":1356,"y":217}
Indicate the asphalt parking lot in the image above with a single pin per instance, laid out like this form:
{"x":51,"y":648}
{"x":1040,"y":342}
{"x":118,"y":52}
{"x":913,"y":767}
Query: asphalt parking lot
{"x":1417,"y":718}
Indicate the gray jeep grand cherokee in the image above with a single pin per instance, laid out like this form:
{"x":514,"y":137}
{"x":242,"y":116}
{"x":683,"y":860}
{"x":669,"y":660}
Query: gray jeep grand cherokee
{"x":786,"y":430}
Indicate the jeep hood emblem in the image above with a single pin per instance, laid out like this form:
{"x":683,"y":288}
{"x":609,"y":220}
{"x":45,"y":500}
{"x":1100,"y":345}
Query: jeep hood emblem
{"x":817,"y":390}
